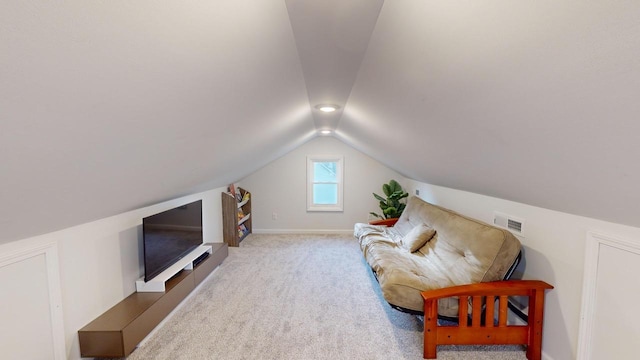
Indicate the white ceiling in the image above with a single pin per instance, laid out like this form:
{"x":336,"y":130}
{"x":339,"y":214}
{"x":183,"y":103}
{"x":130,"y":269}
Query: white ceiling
{"x":110,"y":106}
{"x":331,"y":38}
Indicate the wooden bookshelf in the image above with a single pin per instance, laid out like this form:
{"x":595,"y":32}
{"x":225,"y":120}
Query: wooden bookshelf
{"x":236,"y":215}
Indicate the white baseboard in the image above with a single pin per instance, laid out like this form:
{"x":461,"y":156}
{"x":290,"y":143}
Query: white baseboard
{"x":303,"y":231}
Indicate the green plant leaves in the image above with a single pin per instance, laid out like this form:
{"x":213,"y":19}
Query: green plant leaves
{"x":380,"y":198}
{"x":391,"y":206}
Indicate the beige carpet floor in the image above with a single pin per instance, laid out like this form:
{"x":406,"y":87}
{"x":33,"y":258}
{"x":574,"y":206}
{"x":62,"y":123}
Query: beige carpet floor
{"x":296,"y":297}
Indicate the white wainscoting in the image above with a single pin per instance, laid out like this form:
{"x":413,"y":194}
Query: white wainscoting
{"x":29,"y":278}
{"x":610,"y":319}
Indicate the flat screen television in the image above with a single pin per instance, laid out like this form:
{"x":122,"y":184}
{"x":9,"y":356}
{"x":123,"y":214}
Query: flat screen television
{"x":169,"y":236}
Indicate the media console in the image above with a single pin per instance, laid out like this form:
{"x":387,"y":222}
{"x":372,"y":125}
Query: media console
{"x":118,"y":331}
{"x":157,"y":284}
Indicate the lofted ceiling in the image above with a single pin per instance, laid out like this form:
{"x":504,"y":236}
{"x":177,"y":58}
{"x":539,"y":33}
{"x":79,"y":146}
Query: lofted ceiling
{"x":109,"y":106}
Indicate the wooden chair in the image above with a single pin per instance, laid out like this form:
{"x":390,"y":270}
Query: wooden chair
{"x":479,"y":327}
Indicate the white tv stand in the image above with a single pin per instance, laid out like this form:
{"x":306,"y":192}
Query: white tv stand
{"x":157,"y":284}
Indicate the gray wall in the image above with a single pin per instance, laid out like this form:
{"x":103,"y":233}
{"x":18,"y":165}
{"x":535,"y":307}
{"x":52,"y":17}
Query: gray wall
{"x":280,"y":187}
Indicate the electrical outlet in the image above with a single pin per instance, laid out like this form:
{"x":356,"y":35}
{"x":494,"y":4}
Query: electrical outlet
{"x":417,"y":192}
{"x":274,"y":216}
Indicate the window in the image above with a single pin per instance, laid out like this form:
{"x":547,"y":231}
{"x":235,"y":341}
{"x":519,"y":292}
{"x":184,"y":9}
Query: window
{"x":324,"y":183}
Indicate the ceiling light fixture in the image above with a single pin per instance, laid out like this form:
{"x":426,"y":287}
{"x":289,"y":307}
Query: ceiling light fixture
{"x":327,"y":107}
{"x":325,"y":132}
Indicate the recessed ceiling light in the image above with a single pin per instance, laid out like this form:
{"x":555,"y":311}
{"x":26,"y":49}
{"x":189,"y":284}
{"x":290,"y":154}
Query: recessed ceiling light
{"x":327,"y":107}
{"x":325,"y":132}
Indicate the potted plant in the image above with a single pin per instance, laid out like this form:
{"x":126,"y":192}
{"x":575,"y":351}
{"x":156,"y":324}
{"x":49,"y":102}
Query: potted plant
{"x":391,"y":206}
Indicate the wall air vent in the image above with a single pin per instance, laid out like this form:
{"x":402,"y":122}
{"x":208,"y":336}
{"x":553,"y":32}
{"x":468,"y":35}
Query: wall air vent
{"x":511,"y":223}
{"x":514,"y":225}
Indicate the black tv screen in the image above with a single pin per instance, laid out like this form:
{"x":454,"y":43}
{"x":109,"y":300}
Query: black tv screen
{"x":169,"y":236}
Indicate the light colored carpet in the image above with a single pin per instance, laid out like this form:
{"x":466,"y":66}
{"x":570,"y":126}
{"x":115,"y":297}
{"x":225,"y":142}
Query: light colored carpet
{"x":296,"y":297}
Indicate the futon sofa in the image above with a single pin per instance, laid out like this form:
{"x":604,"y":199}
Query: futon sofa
{"x":431,"y":247}
{"x":444,"y":265}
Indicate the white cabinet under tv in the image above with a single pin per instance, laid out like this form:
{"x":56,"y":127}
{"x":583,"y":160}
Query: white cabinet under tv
{"x":157,"y":284}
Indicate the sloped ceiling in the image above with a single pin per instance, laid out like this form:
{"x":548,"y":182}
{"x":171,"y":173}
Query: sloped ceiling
{"x":535,"y":102}
{"x":109,"y":106}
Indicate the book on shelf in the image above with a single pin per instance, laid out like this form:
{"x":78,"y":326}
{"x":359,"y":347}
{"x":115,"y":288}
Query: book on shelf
{"x":235,"y":191}
{"x":242,"y":230}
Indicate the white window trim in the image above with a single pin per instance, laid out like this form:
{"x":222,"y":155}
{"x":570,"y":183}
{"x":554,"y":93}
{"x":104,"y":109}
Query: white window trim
{"x":340,"y":176}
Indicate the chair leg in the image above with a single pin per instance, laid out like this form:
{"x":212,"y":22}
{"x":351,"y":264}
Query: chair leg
{"x":536,"y":314}
{"x":430,"y":329}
